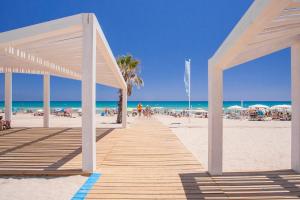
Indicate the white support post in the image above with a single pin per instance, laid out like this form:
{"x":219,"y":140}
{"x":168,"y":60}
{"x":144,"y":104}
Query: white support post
{"x":8,"y":96}
{"x":295,"y":94}
{"x":215,"y":120}
{"x":46,"y":101}
{"x":89,"y":95}
{"x":124,"y":108}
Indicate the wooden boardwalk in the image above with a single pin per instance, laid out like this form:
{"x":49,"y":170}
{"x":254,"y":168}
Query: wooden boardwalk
{"x":43,"y":151}
{"x":144,"y":161}
{"x":147,"y":161}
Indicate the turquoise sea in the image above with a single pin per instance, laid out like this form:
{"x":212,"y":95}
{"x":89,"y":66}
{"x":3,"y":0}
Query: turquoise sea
{"x":133,"y":104}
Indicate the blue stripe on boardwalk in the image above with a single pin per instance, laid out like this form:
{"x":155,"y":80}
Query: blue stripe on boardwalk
{"x":86,"y":187}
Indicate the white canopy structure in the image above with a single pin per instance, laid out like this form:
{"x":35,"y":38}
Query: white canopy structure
{"x":268,"y":26}
{"x":72,"y":47}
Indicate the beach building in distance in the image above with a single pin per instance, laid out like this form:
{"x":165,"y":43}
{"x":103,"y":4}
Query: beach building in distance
{"x":72,"y":47}
{"x":268,"y":26}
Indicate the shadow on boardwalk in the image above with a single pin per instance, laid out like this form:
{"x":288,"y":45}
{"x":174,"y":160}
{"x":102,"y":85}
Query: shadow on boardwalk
{"x":283,"y":184}
{"x":42,"y":150}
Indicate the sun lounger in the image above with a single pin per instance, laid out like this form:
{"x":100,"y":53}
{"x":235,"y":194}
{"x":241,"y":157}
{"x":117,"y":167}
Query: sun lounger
{"x":1,"y":125}
{"x":38,"y":112}
{"x":4,"y":124}
{"x":68,"y":112}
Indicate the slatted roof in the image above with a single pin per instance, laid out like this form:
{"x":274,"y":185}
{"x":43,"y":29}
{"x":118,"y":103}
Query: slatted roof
{"x":56,"y":47}
{"x":268,"y":26}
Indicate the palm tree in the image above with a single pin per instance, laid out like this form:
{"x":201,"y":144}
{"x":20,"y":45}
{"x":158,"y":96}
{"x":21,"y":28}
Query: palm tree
{"x":130,"y":70}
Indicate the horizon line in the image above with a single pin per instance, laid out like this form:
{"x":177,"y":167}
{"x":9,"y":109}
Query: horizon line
{"x":146,"y":100}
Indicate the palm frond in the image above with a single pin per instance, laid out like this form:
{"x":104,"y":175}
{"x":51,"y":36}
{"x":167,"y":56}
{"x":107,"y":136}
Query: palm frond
{"x":130,"y":69}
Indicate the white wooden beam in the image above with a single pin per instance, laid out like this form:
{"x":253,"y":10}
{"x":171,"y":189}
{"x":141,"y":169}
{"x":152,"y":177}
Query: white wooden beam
{"x":253,"y":22}
{"x":44,"y":30}
{"x":284,"y":21}
{"x":215,"y":120}
{"x":46,"y":102}
{"x":8,"y":96}
{"x":14,"y":62}
{"x":124,"y":108}
{"x":59,"y":42}
{"x":294,"y":4}
{"x":104,"y":48}
{"x":284,"y":32}
{"x":262,"y":49}
{"x":89,"y":95}
{"x":46,"y":42}
{"x":282,"y":26}
{"x":295,"y":139}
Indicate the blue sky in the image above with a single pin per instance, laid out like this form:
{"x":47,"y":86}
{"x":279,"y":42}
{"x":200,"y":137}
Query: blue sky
{"x":161,"y":34}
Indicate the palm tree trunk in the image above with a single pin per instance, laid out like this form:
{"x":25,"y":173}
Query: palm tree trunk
{"x":120,"y":107}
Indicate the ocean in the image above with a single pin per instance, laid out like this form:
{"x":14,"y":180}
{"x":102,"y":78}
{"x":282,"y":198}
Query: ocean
{"x":132,"y":104}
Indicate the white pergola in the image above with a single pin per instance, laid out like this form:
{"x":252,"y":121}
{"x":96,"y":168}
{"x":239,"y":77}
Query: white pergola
{"x":268,"y":26}
{"x":72,"y":47}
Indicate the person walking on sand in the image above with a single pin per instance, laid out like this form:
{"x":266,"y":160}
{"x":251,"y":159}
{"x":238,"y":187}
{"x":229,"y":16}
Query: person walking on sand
{"x":140,"y":109}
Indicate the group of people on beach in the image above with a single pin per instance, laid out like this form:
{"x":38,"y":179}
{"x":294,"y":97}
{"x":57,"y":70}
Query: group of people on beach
{"x":147,"y":112}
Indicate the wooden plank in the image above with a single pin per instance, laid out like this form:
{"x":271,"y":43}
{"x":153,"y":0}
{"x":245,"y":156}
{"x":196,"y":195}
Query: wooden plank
{"x":43,"y":151}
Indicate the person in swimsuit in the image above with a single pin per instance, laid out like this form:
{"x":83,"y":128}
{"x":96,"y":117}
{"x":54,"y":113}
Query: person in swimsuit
{"x":140,"y":109}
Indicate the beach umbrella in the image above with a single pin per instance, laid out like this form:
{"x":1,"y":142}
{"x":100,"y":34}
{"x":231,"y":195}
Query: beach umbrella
{"x":58,"y":109}
{"x":282,"y":108}
{"x":159,"y":107}
{"x":198,"y":110}
{"x":236,"y":107}
{"x":130,"y":109}
{"x":259,"y":106}
{"x":175,"y":110}
{"x":68,"y":109}
{"x":178,"y":110}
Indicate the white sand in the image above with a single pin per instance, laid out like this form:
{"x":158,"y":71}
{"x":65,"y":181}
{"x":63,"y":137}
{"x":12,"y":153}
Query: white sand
{"x":41,"y":188}
{"x":248,"y":145}
{"x":28,"y":120}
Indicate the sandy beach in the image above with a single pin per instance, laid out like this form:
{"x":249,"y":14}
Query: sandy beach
{"x":28,"y":120}
{"x":42,"y":188}
{"x":248,"y":145}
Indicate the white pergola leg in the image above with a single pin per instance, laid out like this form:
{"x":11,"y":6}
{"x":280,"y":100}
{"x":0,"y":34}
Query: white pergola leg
{"x":215,"y":120}
{"x":295,"y":90}
{"x":89,"y":95}
{"x":124,"y":106}
{"x":46,"y":100}
{"x":8,"y":96}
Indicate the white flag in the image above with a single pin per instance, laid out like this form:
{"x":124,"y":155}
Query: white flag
{"x":187,"y":77}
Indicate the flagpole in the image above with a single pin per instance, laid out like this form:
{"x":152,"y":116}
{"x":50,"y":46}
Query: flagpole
{"x":190,"y":93}
{"x":187,"y":83}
